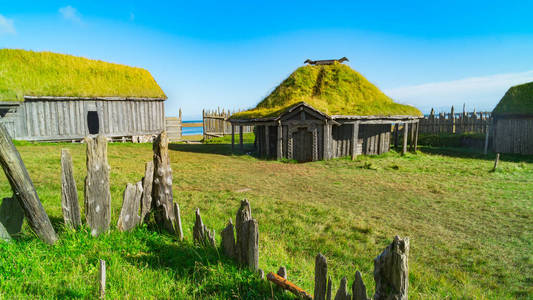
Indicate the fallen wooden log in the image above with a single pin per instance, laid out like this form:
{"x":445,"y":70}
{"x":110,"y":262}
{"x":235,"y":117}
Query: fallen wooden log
{"x":23,"y":188}
{"x":289,"y":286}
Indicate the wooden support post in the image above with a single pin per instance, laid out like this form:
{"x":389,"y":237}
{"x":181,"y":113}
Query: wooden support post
{"x":279,"y":144}
{"x":496,"y":162}
{"x":412,"y":137}
{"x":416,"y":136}
{"x":355,"y":139}
{"x":327,"y":140}
{"x":486,"y":150}
{"x":69,"y":193}
{"x":102,"y":277}
{"x":396,"y":129}
{"x":232,"y":137}
{"x":405,"y":136}
{"x":241,"y":144}
{"x":267,"y":145}
{"x":22,"y":186}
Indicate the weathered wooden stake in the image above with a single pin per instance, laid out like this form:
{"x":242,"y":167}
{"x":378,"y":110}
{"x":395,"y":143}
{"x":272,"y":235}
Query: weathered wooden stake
{"x":405,"y":136}
{"x":396,"y":129}
{"x":391,"y":271}
{"x":244,"y":214}
{"x":11,"y":215}
{"x":97,"y":194}
{"x":321,"y":277}
{"x":282,"y":271}
{"x":177,"y":224}
{"x":148,"y":180}
{"x":102,"y":278}
{"x":253,"y":245}
{"x":23,"y":188}
{"x":162,"y":198}
{"x":131,"y":202}
{"x":486,"y":150}
{"x":228,"y":241}
{"x":69,"y":192}
{"x":496,"y":161}
{"x":342,"y":292}
{"x":201,"y":234}
{"x":359,"y":288}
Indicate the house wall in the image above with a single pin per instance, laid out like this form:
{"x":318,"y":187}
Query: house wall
{"x":67,"y":119}
{"x":513,"y":136}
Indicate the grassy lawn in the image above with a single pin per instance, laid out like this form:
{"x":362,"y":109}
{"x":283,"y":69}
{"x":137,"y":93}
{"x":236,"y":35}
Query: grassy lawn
{"x":471,"y":230}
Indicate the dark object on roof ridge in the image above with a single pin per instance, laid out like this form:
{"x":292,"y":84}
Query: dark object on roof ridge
{"x":326,"y":62}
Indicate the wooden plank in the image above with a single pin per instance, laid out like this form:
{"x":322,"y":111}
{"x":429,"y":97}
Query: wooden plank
{"x":267,"y":145}
{"x":405,"y":136}
{"x":232,"y":137}
{"x":279,"y":143}
{"x":355,"y":139}
{"x":241,"y":145}
{"x":23,"y":187}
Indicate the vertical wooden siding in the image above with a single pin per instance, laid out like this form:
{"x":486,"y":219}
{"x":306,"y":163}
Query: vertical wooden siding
{"x":64,"y":119}
{"x":513,"y":136}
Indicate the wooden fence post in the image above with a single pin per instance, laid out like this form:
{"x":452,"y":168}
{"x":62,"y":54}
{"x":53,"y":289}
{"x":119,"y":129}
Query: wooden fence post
{"x":148,"y":181}
{"x":69,"y":193}
{"x":496,"y":161}
{"x":201,"y":234}
{"x":232,"y":137}
{"x":342,"y":292}
{"x":102,"y":277}
{"x":359,"y":288}
{"x":355,"y":139}
{"x":391,"y":271}
{"x":228,"y":241}
{"x":22,"y":186}
{"x":177,"y":225}
{"x":162,"y":187}
{"x":241,"y":145}
{"x":131,"y":202}
{"x":405,"y":136}
{"x":321,"y":277}
{"x":97,"y":194}
{"x":247,"y":237}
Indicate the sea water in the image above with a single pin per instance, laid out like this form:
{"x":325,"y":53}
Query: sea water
{"x":192,"y":130}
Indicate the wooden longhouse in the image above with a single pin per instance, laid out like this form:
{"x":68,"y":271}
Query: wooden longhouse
{"x":93,"y":97}
{"x":513,"y":121}
{"x":302,"y":132}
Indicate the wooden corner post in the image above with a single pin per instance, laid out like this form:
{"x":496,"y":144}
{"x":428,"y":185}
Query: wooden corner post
{"x":416,"y":136}
{"x":405,"y":136}
{"x":279,"y":144}
{"x":241,"y":144}
{"x":232,"y":137}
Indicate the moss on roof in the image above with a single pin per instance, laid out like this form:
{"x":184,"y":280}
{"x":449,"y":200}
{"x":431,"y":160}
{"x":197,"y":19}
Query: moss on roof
{"x":517,"y":100}
{"x":29,"y":73}
{"x":333,"y":89}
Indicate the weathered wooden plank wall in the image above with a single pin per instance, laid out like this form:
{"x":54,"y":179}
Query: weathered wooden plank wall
{"x":216,"y":124}
{"x":67,"y":119}
{"x":513,"y":136}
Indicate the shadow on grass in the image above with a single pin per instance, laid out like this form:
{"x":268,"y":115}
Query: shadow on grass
{"x":475,"y":154}
{"x":220,"y":149}
{"x":211,"y":273}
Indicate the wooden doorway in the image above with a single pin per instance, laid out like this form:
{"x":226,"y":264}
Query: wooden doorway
{"x":303,"y":145}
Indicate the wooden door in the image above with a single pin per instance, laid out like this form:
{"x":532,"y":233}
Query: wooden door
{"x":303,"y":145}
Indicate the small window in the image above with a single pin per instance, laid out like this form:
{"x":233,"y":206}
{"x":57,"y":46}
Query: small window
{"x":93,"y":122}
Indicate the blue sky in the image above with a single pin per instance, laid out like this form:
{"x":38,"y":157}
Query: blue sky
{"x":232,"y":54}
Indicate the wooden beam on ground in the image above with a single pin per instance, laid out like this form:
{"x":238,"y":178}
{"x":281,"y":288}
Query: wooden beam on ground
{"x":22,"y":186}
{"x":355,"y":139}
{"x":287,"y":285}
{"x":405,"y":136}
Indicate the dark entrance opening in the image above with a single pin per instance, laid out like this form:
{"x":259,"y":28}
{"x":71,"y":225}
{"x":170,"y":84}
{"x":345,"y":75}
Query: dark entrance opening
{"x":303,"y":145}
{"x":92,"y":122}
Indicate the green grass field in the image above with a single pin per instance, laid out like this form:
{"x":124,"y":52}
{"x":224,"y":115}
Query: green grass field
{"x":471,"y":230}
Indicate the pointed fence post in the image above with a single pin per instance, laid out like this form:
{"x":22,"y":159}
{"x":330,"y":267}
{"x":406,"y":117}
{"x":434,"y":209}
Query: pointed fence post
{"x":147,"y":181}
{"x":321,"y":277}
{"x":69,"y":193}
{"x":129,"y":214}
{"x":342,"y":292}
{"x":22,"y":186}
{"x":359,"y":288}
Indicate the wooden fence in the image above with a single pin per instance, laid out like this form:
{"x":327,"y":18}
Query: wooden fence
{"x":452,"y":123}
{"x":173,"y":126}
{"x":216,"y":123}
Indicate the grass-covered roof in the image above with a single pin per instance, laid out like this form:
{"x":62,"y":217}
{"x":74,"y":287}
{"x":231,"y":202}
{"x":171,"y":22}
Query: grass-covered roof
{"x":333,"y":89}
{"x":517,"y":100}
{"x":29,"y":73}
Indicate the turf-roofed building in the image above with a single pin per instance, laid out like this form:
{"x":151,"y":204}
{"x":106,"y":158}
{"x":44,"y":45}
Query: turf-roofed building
{"x":513,"y":121}
{"x":326,"y":111}
{"x":46,"y":96}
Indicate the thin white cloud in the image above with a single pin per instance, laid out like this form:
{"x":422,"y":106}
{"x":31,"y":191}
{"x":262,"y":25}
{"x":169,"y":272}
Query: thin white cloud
{"x":70,"y":13}
{"x":482,"y":93}
{"x":6,"y":26}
